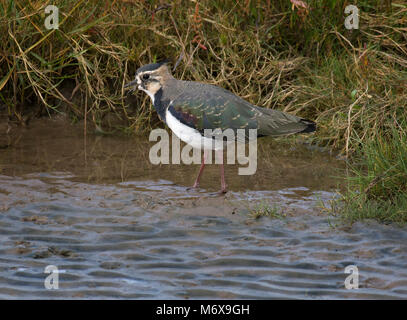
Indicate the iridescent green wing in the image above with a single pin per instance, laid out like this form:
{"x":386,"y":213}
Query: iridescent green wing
{"x":210,"y":107}
{"x":204,"y":106}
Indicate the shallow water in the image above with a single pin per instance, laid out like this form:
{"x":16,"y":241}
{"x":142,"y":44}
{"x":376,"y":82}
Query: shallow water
{"x":118,"y":227}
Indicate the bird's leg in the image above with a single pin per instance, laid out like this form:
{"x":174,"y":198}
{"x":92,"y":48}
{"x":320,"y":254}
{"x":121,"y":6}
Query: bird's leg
{"x":222,"y":171}
{"x":196,"y":184}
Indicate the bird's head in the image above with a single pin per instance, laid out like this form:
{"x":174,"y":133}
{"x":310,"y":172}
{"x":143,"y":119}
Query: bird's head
{"x":151,"y":77}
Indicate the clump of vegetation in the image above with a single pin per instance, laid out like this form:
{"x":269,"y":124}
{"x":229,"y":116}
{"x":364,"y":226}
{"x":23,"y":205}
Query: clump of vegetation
{"x":264,"y":209}
{"x":377,"y":186}
{"x":295,"y":56}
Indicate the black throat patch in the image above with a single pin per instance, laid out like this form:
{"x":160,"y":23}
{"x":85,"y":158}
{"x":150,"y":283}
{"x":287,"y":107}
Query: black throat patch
{"x":159,"y":104}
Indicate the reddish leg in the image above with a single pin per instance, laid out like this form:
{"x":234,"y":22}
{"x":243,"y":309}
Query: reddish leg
{"x":196,"y":184}
{"x":222,"y":172}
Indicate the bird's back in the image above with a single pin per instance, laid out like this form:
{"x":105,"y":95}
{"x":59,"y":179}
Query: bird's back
{"x":215,"y":107}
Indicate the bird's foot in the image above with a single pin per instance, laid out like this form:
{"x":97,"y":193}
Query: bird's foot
{"x":194,"y":187}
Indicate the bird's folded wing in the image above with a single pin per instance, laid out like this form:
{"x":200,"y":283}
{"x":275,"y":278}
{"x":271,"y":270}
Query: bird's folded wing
{"x":212,"y":114}
{"x":209,"y":107}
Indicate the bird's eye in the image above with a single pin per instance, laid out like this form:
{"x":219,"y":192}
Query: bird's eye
{"x":146,"y":76}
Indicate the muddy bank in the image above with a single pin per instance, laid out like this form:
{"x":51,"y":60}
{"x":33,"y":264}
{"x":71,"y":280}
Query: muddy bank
{"x":118,"y":227}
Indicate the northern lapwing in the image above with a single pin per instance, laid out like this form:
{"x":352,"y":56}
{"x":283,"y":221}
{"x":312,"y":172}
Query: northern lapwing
{"x":189,"y":107}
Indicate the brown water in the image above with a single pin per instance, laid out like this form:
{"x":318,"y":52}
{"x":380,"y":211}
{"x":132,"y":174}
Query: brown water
{"x":118,"y":227}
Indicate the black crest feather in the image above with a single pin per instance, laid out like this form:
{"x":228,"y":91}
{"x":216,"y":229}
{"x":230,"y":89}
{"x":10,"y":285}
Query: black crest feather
{"x":152,"y":66}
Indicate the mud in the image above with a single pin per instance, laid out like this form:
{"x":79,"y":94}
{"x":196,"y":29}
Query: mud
{"x":117,"y":226}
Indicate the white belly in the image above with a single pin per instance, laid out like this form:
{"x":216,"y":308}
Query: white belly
{"x":190,"y":135}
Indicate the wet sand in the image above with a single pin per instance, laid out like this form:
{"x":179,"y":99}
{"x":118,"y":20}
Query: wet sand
{"x":117,"y":226}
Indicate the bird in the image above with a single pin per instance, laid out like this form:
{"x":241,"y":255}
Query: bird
{"x":188,"y":108}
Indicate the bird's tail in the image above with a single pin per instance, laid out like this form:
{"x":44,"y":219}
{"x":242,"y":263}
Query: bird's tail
{"x":311,"y":126}
{"x":277,"y":123}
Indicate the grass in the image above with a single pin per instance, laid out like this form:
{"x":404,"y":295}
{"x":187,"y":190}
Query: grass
{"x":377,"y":186}
{"x":264,"y":209}
{"x":302,"y":61}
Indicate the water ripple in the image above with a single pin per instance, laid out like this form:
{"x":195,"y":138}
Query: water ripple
{"x":152,"y":240}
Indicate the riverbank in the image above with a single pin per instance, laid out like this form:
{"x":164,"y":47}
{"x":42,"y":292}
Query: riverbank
{"x":273,"y":54}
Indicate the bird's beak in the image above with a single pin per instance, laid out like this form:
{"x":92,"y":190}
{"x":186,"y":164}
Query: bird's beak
{"x":130,"y":84}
